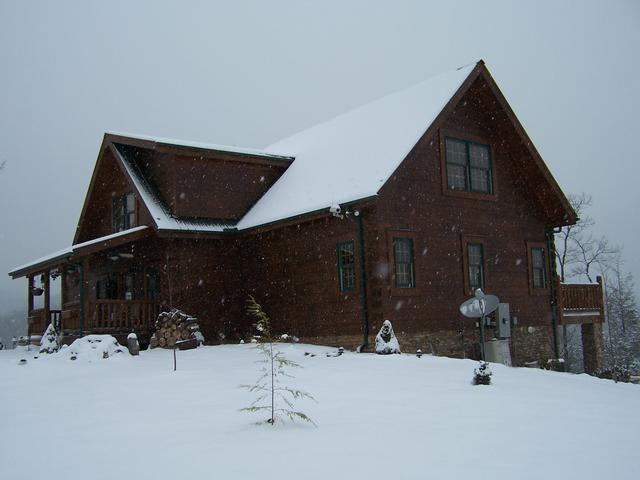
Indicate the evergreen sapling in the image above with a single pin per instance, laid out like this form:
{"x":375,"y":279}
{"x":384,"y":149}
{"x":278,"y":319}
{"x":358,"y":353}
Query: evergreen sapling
{"x":273,"y":396}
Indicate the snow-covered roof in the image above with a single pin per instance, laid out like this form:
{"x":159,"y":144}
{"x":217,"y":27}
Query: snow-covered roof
{"x":69,"y":251}
{"x":204,"y":146}
{"x":351,"y":156}
{"x":160,"y":213}
{"x":342,"y":160}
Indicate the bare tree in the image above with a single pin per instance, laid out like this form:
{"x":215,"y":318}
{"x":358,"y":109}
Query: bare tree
{"x":566,"y":252}
{"x":622,"y":335}
{"x":581,"y":255}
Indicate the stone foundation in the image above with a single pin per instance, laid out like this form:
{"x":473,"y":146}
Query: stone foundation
{"x":528,"y":343}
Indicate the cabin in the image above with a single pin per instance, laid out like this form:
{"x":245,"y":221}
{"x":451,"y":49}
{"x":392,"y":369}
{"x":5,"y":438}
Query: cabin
{"x":399,"y":210}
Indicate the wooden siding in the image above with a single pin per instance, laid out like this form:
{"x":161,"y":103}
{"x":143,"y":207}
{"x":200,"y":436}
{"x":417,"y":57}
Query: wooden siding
{"x":415,"y":199}
{"x":109,"y":183}
{"x":214,"y":188}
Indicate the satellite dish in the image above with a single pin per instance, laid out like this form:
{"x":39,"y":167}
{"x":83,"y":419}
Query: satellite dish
{"x":479,"y":305}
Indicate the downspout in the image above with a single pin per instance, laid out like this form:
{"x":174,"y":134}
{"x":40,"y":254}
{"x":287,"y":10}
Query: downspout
{"x":363,"y":284}
{"x":551,"y":248}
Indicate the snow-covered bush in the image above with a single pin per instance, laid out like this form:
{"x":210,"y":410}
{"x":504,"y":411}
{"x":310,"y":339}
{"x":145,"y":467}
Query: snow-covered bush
{"x":482,"y":374}
{"x":617,"y":373}
{"x":272,"y":396}
{"x":553,"y":364}
{"x":49,"y":343}
{"x":386,"y":341}
{"x":93,"y":347}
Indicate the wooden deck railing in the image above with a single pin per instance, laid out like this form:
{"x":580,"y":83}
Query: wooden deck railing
{"x":123,"y":315}
{"x":579,"y":303}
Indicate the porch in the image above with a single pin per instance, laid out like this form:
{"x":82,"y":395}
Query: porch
{"x":114,"y":317}
{"x":106,"y":286}
{"x":580,"y":303}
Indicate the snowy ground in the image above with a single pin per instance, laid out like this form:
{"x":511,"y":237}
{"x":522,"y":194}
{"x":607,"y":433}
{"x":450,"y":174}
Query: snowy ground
{"x":397,"y":417}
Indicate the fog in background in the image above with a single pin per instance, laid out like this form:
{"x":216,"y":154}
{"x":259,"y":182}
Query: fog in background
{"x":249,"y":73}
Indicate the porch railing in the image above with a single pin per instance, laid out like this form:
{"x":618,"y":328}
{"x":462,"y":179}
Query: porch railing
{"x":123,"y":315}
{"x":578,"y":303}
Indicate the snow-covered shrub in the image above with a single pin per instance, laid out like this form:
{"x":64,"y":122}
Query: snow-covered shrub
{"x":482,"y":374}
{"x":272,"y":396}
{"x":553,"y":364}
{"x":617,"y":373}
{"x":93,"y":347}
{"x":49,"y":343}
{"x":386,"y":341}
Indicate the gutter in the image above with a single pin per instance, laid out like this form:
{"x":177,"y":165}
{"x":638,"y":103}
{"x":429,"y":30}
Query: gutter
{"x":336,"y":210}
{"x":363,"y":285}
{"x":551,"y":248}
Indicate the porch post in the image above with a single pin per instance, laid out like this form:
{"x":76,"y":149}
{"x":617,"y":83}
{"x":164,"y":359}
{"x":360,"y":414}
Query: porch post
{"x":29,"y":303}
{"x":29,"y":295}
{"x":46,"y":285}
{"x":83,"y":296}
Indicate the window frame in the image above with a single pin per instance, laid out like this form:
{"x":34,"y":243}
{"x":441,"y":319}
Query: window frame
{"x":533,"y":290}
{"x":393,"y":288}
{"x":467,"y":240}
{"x":468,"y":140}
{"x":121,"y":216}
{"x":342,"y":287}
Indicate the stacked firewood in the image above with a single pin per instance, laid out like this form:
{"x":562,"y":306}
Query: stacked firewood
{"x":176,"y":329}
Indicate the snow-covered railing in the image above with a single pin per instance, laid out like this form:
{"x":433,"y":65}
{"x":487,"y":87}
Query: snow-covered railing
{"x":112,"y":316}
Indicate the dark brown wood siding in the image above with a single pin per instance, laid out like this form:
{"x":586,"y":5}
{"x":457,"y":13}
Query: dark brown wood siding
{"x":215,"y":188}
{"x":293,"y":273}
{"x":416,"y":200}
{"x":110,"y":182}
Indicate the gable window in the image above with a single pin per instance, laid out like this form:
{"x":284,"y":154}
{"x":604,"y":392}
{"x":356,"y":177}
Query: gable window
{"x":475,"y":265}
{"x":403,"y":261}
{"x":538,"y":268}
{"x":346,"y":266}
{"x":468,"y":166}
{"x":123,"y":212}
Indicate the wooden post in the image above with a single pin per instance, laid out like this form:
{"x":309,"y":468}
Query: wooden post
{"x":84,"y":297}
{"x":559,"y":301}
{"x":601,"y":297}
{"x":29,"y":295}
{"x":46,"y":285}
{"x":63,"y":281}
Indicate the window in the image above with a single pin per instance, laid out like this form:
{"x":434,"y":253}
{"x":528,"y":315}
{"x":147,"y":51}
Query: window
{"x":153,"y":285}
{"x":538,"y":268}
{"x":475,"y":265}
{"x":124,"y":212}
{"x":346,"y":266}
{"x":403,"y":260}
{"x":468,"y":166}
{"x":129,"y":286}
{"x":107,"y":288}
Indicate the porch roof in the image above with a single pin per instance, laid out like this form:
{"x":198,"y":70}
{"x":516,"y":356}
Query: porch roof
{"x":62,"y":256}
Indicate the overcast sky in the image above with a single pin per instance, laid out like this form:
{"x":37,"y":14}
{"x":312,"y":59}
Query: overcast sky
{"x":250,"y":73}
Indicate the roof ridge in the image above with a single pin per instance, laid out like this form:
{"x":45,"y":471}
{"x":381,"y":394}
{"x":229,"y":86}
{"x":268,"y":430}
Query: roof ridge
{"x":377,"y":99}
{"x":199,"y":145}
